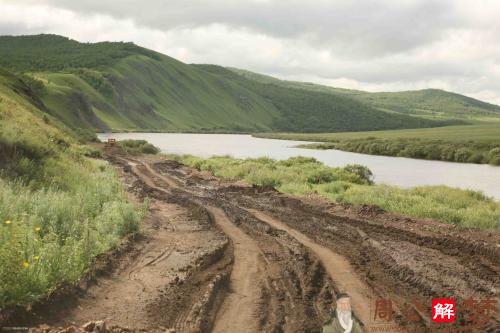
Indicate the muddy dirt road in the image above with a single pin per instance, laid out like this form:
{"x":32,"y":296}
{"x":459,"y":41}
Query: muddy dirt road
{"x":224,"y":257}
{"x":248,"y":268}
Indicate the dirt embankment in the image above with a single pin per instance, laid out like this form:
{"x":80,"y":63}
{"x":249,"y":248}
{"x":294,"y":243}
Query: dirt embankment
{"x":227,"y":257}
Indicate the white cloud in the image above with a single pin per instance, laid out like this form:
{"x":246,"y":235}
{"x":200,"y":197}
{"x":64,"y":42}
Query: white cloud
{"x":372,"y":46}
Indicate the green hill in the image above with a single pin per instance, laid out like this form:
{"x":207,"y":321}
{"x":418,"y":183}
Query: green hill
{"x":123,"y":87}
{"x":427,"y":103}
{"x":316,"y":111}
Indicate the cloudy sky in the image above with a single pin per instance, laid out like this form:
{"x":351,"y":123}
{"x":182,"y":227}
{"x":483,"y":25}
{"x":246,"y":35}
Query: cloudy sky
{"x":375,"y":45}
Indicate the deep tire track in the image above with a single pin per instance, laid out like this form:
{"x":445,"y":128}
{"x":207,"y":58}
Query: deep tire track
{"x":337,"y":267}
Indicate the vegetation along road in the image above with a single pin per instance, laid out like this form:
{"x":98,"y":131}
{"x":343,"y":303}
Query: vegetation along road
{"x":226,"y":256}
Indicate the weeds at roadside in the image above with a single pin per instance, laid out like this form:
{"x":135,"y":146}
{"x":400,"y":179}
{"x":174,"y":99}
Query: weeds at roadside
{"x":353,"y":184}
{"x":58,"y":209}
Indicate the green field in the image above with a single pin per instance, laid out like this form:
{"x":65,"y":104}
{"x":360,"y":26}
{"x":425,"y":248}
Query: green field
{"x":352,"y":184}
{"x":480,"y":132}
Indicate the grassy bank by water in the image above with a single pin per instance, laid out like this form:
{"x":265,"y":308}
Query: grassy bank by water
{"x":58,"y":209}
{"x":352,"y":184}
{"x":466,"y":144}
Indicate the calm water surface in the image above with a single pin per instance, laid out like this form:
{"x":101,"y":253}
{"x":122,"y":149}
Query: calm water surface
{"x":404,"y":172}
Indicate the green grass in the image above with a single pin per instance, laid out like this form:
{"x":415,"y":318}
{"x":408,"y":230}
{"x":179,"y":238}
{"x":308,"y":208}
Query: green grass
{"x":352,"y":184}
{"x":58,"y":209}
{"x":49,"y":236}
{"x":466,"y":144}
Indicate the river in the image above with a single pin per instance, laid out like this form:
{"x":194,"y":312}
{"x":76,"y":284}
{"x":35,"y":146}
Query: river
{"x":399,"y":171}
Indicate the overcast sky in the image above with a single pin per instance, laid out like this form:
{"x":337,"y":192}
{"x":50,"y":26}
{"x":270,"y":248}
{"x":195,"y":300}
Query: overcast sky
{"x":374,"y":45}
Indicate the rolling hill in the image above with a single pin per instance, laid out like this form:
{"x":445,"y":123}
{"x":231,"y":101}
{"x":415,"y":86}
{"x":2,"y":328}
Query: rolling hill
{"x":428,"y":103}
{"x":124,"y":87}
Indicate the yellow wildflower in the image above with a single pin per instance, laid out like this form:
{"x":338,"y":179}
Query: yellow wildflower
{"x":37,"y":229}
{"x":26,"y":264}
{"x":8,"y":222}
{"x":36,"y":257}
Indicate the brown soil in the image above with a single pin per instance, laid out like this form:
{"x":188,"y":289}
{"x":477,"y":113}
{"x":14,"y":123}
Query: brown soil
{"x":229,"y":257}
{"x":246,"y":276}
{"x":339,"y":269}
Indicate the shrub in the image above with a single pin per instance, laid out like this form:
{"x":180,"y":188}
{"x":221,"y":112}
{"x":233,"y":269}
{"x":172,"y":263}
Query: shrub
{"x":85,"y":135}
{"x":136,"y":147}
{"x":364,"y":174}
{"x":263,"y":178}
{"x":462,"y":154}
{"x":320,"y":176}
{"x":298,"y":160}
{"x":494,"y":156}
{"x":476,"y":158}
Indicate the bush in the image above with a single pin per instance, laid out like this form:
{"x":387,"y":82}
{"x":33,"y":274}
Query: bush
{"x":321,"y":176}
{"x":136,"y":147}
{"x":462,"y":155}
{"x":296,"y":160}
{"x":494,"y":156}
{"x":85,"y":135}
{"x":365,"y":175}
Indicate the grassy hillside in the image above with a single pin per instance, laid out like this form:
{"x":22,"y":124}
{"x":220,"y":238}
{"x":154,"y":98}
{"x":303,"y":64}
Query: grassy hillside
{"x":314,"y":111}
{"x":428,"y":103}
{"x":121,"y":86}
{"x":58,"y":209}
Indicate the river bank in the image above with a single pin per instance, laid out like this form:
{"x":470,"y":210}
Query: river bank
{"x":479,"y":144}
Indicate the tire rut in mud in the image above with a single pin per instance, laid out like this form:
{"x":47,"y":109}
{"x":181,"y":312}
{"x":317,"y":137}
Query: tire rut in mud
{"x":295,"y":293}
{"x":398,"y":264}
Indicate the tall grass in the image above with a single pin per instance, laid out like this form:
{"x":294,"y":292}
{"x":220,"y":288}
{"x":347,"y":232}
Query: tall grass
{"x":352,"y":184}
{"x":58,"y":209}
{"x":49,"y":236}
